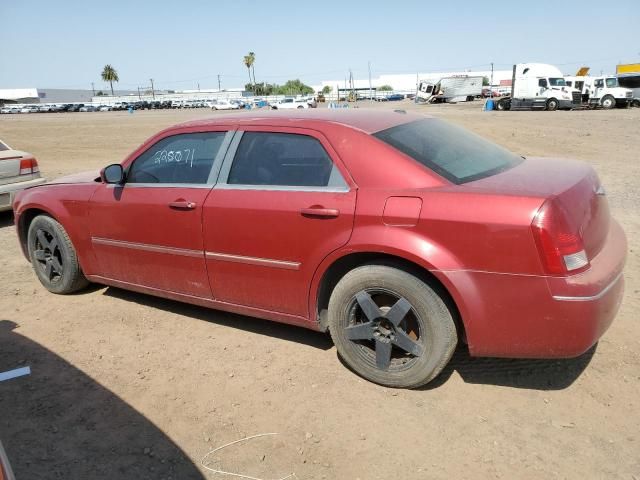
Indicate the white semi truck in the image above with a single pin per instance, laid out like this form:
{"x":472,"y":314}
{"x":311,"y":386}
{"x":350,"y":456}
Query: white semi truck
{"x":539,"y":86}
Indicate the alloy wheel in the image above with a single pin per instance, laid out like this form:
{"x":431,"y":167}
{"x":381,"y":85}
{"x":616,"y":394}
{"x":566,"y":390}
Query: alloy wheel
{"x":384,"y":330}
{"x":48,"y":255}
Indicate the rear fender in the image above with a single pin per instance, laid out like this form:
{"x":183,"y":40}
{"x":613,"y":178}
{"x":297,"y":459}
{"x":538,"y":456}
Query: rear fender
{"x":416,"y":249}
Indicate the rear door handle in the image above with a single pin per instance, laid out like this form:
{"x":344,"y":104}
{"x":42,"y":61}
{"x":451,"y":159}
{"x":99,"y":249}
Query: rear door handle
{"x":182,"y":205}
{"x":320,"y":212}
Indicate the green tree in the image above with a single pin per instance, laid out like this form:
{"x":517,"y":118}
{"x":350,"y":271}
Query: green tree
{"x":326,"y":89}
{"x":293,"y":87}
{"x":385,"y":88}
{"x":485,"y":81}
{"x":110,"y":75}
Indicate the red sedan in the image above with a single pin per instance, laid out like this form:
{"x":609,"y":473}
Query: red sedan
{"x":400,"y":234}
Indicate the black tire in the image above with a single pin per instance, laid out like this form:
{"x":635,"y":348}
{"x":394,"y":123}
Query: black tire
{"x":391,"y":327}
{"x":300,"y":106}
{"x":502,"y":105}
{"x":608,"y":102}
{"x":552,"y":105}
{"x":53,"y":256}
{"x":635,"y":102}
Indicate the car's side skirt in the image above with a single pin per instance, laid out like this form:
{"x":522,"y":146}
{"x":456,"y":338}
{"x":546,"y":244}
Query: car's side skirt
{"x":214,"y":304}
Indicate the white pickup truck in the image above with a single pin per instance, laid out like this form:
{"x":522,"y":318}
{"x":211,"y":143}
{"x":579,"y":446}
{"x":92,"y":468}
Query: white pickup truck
{"x":18,"y":170}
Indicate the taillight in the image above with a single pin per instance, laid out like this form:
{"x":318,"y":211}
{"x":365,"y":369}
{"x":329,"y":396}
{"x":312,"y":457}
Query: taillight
{"x":28,"y":166}
{"x":561,"y":249}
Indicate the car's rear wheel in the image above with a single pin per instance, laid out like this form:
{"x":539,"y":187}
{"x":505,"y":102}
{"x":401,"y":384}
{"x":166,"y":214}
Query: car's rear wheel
{"x":390,"y":327}
{"x":53,"y":256}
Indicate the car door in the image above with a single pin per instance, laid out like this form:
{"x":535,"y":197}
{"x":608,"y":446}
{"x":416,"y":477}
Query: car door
{"x":283,"y":202}
{"x":148,"y":231}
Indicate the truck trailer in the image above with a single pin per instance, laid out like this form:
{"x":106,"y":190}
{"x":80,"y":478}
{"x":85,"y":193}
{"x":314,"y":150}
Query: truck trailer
{"x":460,"y":88}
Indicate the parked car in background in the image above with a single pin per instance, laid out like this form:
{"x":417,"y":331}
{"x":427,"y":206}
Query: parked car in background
{"x":394,"y":97}
{"x":18,"y":170}
{"x":224,"y":105}
{"x":6,"y":109}
{"x":88,"y":108}
{"x":290,"y":103}
{"x":243,"y":206}
{"x":29,"y":109}
{"x":104,"y":108}
{"x":75,"y":107}
{"x":311,"y":101}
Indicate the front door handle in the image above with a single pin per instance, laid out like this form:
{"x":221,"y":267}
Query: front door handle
{"x":320,"y":212}
{"x":182,"y":205}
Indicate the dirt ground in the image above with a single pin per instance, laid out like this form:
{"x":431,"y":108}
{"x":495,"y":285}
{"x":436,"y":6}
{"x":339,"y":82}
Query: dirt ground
{"x":129,"y":386}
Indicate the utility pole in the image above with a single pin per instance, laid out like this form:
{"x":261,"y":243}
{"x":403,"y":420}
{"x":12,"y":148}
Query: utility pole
{"x":93,"y":89}
{"x":219,"y":83}
{"x":153,"y":92}
{"x":491,"y":85}
{"x":139,"y":97}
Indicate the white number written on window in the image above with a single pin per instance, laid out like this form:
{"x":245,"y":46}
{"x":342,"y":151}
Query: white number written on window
{"x":184,"y":156}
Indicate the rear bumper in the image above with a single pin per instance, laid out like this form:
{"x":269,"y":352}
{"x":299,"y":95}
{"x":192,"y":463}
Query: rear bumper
{"x":8,"y":191}
{"x":524,"y":316}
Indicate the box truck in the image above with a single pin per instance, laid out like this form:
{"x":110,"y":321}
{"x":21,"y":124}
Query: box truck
{"x":459,"y":88}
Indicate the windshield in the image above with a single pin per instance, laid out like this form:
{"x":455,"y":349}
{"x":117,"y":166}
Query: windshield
{"x":612,"y":82}
{"x":453,"y":152}
{"x":557,"y":82}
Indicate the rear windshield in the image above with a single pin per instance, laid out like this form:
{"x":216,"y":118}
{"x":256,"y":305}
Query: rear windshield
{"x":452,"y":152}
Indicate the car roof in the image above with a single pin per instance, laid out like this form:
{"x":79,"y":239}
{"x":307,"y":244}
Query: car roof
{"x":366,"y":120}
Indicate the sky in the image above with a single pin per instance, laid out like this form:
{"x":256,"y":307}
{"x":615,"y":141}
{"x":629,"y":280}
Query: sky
{"x":185,"y":44}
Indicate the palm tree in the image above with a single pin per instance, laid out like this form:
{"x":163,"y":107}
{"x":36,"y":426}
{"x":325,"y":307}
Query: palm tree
{"x":110,"y":75}
{"x":248,"y":61}
{"x":253,"y":65}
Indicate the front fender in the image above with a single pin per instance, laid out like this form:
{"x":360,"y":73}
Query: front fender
{"x":67,"y":204}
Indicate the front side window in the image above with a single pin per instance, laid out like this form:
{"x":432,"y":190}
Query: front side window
{"x":181,"y":159}
{"x":283,"y":159}
{"x":557,"y":82}
{"x":612,"y":82}
{"x":599,"y":83}
{"x":453,"y":152}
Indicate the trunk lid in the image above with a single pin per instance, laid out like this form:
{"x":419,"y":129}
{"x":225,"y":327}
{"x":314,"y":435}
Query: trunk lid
{"x":572,"y":186}
{"x":10,"y":166}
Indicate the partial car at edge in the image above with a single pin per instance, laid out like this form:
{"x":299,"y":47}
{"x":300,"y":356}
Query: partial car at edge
{"x":18,"y":170}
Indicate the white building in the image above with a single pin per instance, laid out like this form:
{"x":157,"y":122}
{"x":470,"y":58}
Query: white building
{"x":408,"y":82}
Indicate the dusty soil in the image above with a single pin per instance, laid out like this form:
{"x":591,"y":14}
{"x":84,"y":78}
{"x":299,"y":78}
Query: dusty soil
{"x":129,"y":386}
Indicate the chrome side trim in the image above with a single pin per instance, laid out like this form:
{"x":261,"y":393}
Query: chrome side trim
{"x":597,"y":296}
{"x":280,"y":188}
{"x":263,"y":262}
{"x":184,"y":252}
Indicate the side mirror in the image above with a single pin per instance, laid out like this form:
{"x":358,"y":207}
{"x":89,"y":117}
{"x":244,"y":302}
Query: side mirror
{"x":113,"y":174}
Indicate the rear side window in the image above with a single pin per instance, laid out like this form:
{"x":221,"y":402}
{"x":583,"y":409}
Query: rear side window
{"x":185,"y":159}
{"x":283,"y":159}
{"x":452,"y":152}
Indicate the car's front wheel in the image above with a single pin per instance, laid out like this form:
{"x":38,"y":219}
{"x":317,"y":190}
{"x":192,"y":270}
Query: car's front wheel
{"x":53,"y":256}
{"x":390,"y":327}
